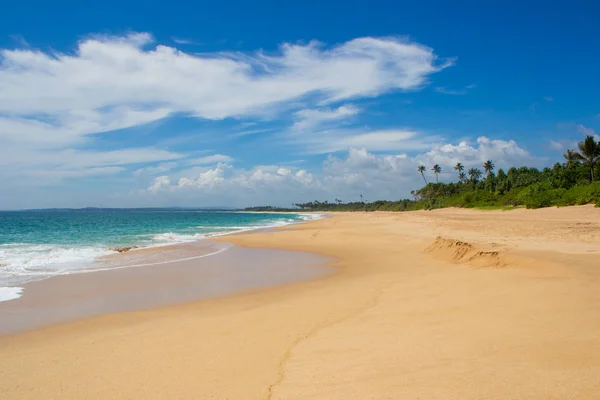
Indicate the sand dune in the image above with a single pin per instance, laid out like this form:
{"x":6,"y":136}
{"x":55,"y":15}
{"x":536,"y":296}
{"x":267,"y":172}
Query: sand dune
{"x":449,"y":304}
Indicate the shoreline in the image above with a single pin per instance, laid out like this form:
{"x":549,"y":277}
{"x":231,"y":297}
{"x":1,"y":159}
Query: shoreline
{"x":14,"y":290}
{"x":421,"y":304}
{"x":213,"y":270}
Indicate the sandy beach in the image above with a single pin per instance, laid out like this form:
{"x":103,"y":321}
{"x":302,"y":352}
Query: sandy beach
{"x":449,"y":304}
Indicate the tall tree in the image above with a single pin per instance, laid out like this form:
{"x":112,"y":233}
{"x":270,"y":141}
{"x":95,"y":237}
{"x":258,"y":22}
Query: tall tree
{"x":459,"y":168}
{"x":488,"y":166}
{"x":421,"y":169}
{"x":474,"y":175}
{"x":589,"y":153}
{"x":437,"y":170}
{"x":462,"y":176}
{"x":570,"y":158}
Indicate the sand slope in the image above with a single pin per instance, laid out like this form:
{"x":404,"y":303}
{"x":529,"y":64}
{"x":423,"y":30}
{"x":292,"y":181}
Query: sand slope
{"x":450,"y":304}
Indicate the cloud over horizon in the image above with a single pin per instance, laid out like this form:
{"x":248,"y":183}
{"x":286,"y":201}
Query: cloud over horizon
{"x":378,"y":176}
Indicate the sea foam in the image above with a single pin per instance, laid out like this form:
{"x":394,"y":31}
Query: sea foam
{"x":10,"y":293}
{"x":21,"y":263}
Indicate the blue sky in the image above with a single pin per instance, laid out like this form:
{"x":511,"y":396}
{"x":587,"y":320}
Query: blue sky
{"x":225,"y":103}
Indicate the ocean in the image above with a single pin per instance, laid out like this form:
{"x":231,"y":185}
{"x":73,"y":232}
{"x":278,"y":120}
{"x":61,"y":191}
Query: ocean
{"x":36,"y":245}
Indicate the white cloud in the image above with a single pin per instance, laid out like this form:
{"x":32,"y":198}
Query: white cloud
{"x":548,"y":98}
{"x":185,"y":41}
{"x":324,"y":142}
{"x":504,"y":153}
{"x":308,"y":119}
{"x":360,"y":171}
{"x":155,"y":169}
{"x":70,"y":158}
{"x":45,"y":167}
{"x":59,"y":173}
{"x":19,"y":40}
{"x":557,"y":146}
{"x":585,"y":130}
{"x":53,"y":102}
{"x":212,"y":159}
{"x":458,"y":92}
{"x":107,"y":73}
{"x":588,"y":132}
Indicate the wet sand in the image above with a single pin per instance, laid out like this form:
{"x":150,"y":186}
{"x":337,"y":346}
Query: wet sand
{"x":448,"y":305}
{"x":199,"y":275}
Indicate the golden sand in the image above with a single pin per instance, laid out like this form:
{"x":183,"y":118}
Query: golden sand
{"x":449,"y":304}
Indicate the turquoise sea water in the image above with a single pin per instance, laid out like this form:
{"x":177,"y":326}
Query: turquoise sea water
{"x":39,"y":244}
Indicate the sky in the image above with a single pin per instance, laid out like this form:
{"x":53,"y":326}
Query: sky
{"x":130,"y":104}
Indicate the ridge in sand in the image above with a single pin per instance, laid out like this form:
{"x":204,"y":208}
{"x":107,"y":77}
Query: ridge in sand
{"x":454,"y":250}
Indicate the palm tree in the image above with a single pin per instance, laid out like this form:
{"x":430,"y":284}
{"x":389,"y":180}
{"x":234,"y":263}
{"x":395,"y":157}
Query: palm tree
{"x":421,"y":169}
{"x":571,"y":158}
{"x":460,"y":168}
{"x":589,"y":153}
{"x":474,"y":175}
{"x":462,"y":176}
{"x":436,"y":170}
{"x":488,"y":166}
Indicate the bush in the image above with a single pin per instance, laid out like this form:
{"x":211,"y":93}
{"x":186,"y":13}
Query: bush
{"x":544,"y":198}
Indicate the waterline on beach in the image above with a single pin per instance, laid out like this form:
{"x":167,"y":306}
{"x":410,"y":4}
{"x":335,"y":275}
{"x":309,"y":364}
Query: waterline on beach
{"x":39,"y":245}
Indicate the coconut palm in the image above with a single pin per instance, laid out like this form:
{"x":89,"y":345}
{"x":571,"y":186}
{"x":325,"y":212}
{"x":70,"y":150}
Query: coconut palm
{"x":436,"y":170}
{"x":589,"y":153}
{"x":488,"y":166}
{"x":462,"y":176}
{"x":474,"y":175}
{"x":459,"y":168}
{"x":421,"y":169}
{"x":570,"y":158}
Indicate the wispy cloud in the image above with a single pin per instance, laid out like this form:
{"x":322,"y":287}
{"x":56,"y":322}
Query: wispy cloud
{"x":310,"y":118}
{"x":584,"y":130}
{"x":250,"y":132}
{"x":212,"y":159}
{"x":20,"y":40}
{"x":556,"y":146}
{"x":179,"y":40}
{"x":53,"y":103}
{"x":548,"y":98}
{"x":459,"y":92}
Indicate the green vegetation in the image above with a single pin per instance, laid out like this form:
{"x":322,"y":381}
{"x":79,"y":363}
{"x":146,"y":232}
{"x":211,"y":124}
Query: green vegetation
{"x":570,"y":183}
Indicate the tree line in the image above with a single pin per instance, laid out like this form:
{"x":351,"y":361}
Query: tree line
{"x":571,"y":182}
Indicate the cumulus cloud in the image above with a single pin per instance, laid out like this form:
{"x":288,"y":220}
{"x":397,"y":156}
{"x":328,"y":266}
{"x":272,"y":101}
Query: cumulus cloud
{"x":160,"y":183}
{"x":503,"y":152}
{"x":359,"y":171}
